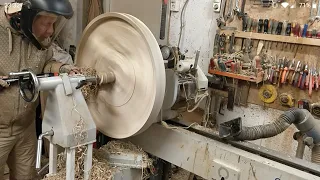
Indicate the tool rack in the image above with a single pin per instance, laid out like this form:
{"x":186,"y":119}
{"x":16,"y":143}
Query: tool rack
{"x":274,"y":38}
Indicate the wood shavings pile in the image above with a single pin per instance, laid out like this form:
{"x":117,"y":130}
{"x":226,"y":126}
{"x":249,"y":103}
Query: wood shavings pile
{"x":89,"y":90}
{"x":101,"y":169}
{"x":121,"y":147}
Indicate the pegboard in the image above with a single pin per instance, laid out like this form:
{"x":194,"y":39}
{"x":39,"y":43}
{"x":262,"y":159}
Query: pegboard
{"x":294,"y":13}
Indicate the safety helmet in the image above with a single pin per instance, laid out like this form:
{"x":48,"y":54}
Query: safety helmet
{"x":31,"y":9}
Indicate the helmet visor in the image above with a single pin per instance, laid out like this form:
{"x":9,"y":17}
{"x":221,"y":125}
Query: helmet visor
{"x":46,"y":27}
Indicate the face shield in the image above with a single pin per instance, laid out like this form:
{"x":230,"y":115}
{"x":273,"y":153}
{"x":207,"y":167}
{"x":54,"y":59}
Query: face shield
{"x":46,"y":27}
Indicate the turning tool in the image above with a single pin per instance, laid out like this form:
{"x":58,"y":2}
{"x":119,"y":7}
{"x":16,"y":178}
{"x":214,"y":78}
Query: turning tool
{"x":268,"y":94}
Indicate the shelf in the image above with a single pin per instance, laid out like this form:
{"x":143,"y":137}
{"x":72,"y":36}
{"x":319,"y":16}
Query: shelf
{"x":235,"y":76}
{"x":275,"y":38}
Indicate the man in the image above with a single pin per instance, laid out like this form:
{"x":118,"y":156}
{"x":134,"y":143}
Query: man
{"x":26,"y":33}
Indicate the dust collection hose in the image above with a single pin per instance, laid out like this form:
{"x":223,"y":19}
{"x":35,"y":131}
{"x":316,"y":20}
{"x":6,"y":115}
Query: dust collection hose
{"x":301,"y":118}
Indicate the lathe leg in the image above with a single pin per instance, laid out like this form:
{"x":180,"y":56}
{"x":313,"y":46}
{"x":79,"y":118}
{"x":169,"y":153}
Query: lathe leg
{"x":88,"y":162}
{"x":53,"y":159}
{"x":71,"y":155}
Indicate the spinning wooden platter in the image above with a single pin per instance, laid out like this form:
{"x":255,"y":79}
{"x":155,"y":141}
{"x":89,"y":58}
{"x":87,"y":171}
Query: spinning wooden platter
{"x":122,"y":44}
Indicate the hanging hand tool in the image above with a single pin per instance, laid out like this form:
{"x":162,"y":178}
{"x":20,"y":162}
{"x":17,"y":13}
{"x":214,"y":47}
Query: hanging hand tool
{"x":311,"y":82}
{"x":300,"y":75}
{"x":281,"y":70}
{"x":276,"y":74}
{"x":303,"y":78}
{"x":274,"y":26}
{"x":216,"y":43}
{"x":316,"y":80}
{"x":295,"y":73}
{"x":254,"y":25}
{"x":288,"y":29}
{"x":279,"y":28}
{"x":265,"y":26}
{"x":304,"y":31}
{"x":289,"y":72}
{"x":308,"y":79}
{"x":244,"y":22}
{"x":272,"y":70}
{"x":222,"y":43}
{"x":284,"y":72}
{"x":230,"y":14}
{"x":236,"y":8}
{"x":249,"y":23}
{"x":241,"y":14}
{"x":270,"y":26}
{"x":232,"y":41}
{"x":296,"y":30}
{"x":292,"y":29}
{"x":314,"y":33}
{"x":285,"y":24}
{"x":260,"y":25}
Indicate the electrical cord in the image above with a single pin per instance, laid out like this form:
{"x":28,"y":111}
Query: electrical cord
{"x":181,"y":21}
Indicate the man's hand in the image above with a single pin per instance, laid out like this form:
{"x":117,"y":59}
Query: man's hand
{"x":3,"y":84}
{"x":70,"y":69}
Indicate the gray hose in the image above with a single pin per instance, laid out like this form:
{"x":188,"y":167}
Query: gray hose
{"x":292,"y":116}
{"x":315,"y":155}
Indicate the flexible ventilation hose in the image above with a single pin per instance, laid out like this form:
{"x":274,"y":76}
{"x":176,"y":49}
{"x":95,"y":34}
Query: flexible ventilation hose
{"x":315,"y":155}
{"x":292,"y":116}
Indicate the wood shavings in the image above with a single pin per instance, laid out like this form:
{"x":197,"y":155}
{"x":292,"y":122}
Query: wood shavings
{"x":88,"y":90}
{"x":101,"y":170}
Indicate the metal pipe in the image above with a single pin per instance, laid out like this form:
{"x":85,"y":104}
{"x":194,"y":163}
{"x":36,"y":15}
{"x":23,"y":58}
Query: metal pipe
{"x":39,"y":149}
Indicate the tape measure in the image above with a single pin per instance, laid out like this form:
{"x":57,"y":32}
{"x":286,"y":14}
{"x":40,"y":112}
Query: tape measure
{"x":315,"y":109}
{"x":268,"y":93}
{"x":286,"y":100}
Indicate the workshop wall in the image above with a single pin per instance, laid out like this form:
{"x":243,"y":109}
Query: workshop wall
{"x":199,"y":27}
{"x":71,"y":33}
{"x":198,"y":34}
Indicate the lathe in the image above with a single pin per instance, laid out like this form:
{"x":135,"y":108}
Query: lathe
{"x":136,"y":92}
